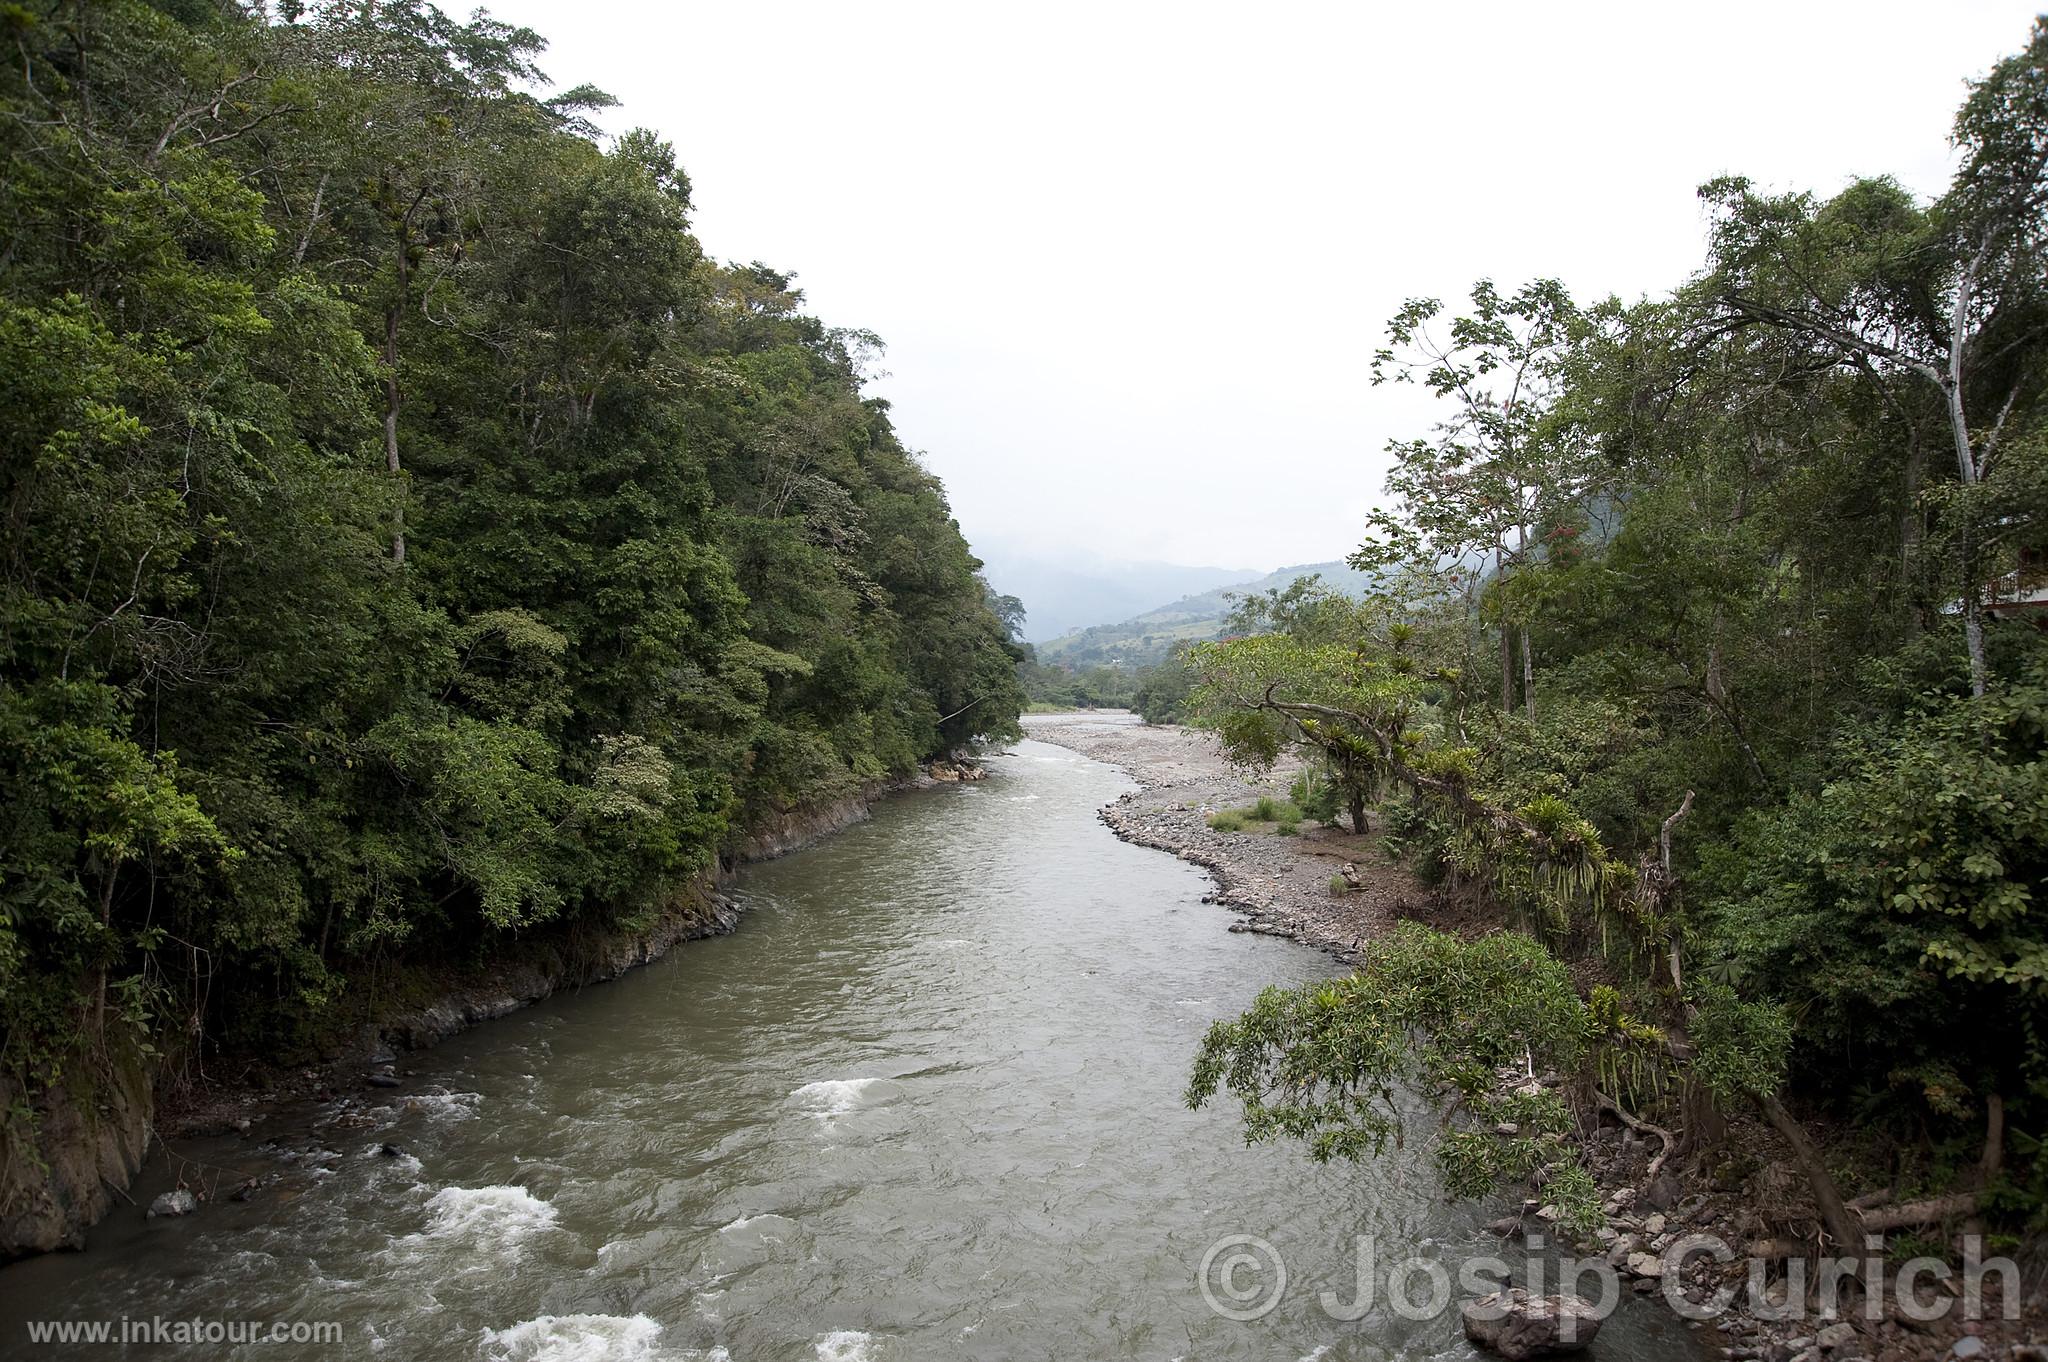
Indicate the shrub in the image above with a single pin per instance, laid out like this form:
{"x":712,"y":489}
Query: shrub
{"x":1316,"y":796}
{"x":1227,"y":820}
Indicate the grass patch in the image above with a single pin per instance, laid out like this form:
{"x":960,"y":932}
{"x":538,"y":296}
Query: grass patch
{"x":1267,"y":814}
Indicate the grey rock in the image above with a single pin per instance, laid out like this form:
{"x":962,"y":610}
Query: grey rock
{"x":180,"y":1202}
{"x":1516,"y":1325}
{"x":1662,"y":1194}
{"x":1835,"y":1335}
{"x":1970,"y":1347}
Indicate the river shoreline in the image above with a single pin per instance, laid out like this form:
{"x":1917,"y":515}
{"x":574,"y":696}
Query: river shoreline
{"x":523,"y":973}
{"x":90,"y":1160}
{"x":1280,"y":887}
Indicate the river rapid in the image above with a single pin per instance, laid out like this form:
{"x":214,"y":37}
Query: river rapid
{"x":924,"y":1103}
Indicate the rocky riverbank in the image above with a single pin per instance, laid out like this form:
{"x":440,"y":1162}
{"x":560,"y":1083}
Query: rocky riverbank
{"x":86,"y":1149}
{"x":1654,"y":1201}
{"x":1280,"y":885}
{"x":526,"y":972}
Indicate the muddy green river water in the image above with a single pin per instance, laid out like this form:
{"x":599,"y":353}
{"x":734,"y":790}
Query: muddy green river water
{"x":924,"y":1103}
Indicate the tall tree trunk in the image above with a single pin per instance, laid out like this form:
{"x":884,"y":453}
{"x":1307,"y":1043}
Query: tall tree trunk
{"x":1528,"y":678}
{"x":312,"y":221}
{"x":1507,"y":668}
{"x":99,"y":1007}
{"x":1834,"y":1213}
{"x":1993,"y":1162}
{"x":1973,"y":629}
{"x":1909,"y":521}
{"x":391,"y":428}
{"x":1967,"y":466}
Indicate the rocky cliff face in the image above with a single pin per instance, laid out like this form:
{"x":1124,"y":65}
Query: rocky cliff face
{"x":783,"y":833}
{"x":64,"y":1169}
{"x":698,"y":912}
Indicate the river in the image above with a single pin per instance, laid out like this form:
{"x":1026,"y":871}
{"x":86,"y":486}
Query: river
{"x":924,"y":1103}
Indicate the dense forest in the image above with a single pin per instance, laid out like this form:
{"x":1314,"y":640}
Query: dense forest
{"x":1712,"y":651}
{"x":412,"y":539}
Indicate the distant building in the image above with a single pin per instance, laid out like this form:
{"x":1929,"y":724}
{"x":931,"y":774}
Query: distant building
{"x":2021,"y":593}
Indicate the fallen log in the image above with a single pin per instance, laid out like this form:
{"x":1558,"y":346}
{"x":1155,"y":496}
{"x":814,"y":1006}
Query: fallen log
{"x":1928,"y":1211}
{"x":1905,"y":1215}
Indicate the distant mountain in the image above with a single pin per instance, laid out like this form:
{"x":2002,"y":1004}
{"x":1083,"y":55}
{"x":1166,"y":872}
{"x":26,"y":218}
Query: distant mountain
{"x":1146,"y":639}
{"x":1063,"y":595}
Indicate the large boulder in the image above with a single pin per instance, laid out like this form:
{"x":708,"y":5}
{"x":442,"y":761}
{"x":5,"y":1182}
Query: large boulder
{"x":1516,"y":1325}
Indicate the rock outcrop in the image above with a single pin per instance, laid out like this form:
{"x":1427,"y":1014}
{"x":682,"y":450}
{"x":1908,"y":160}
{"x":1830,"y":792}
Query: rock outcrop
{"x":1515,"y":1324}
{"x":67,"y":1162}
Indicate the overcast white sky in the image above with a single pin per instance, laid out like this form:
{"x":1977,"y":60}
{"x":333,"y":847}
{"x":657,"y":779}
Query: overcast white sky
{"x":1131,"y":260}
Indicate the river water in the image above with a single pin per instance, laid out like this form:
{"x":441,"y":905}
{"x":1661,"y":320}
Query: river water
{"x":924,"y":1103}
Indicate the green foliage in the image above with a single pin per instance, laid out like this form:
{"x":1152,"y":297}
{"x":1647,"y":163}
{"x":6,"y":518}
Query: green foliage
{"x":1329,"y":1063}
{"x":1315,"y":794}
{"x":1742,"y":1046}
{"x":415,"y":540}
{"x":1900,"y":901}
{"x":1278,"y":815}
{"x":1162,"y":692}
{"x":1756,"y":566}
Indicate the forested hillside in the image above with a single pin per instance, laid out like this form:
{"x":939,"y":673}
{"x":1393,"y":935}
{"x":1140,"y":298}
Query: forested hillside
{"x":411,"y":538}
{"x":1711,"y":655}
{"x":1150,"y":638}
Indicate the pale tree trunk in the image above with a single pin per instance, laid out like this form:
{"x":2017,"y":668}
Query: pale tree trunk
{"x":312,"y":221}
{"x":1968,"y":466}
{"x":1528,"y":664}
